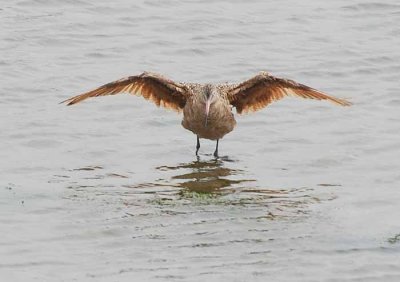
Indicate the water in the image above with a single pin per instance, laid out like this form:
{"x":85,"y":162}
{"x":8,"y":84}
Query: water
{"x":110,"y":190}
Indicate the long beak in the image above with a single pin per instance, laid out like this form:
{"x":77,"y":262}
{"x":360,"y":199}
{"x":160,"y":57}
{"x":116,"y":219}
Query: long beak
{"x":208,"y":103}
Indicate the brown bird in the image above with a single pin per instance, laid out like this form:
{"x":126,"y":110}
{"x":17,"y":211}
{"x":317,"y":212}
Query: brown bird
{"x":207,"y":108}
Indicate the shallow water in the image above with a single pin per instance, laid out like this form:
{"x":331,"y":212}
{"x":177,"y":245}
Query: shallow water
{"x":110,"y":190}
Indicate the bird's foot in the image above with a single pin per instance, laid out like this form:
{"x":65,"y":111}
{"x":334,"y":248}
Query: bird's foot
{"x":216,"y":154}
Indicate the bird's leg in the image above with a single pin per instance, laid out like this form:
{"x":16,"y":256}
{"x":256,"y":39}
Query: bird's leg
{"x":216,"y":150}
{"x":198,"y":145}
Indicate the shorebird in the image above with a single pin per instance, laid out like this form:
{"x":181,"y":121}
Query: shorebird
{"x":207,"y":108}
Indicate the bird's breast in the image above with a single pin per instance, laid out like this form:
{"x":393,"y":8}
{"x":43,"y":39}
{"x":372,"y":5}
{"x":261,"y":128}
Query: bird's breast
{"x":220,"y":119}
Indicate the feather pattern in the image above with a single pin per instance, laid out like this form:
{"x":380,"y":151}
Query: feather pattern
{"x":153,"y":87}
{"x":263,"y":89}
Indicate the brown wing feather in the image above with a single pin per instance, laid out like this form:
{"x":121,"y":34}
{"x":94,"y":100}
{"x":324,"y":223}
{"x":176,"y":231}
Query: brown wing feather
{"x":263,"y":89}
{"x":153,"y":87}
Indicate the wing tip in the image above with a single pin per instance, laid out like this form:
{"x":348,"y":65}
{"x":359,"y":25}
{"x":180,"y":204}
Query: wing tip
{"x":65,"y":101}
{"x":69,"y":102}
{"x":343,"y":102}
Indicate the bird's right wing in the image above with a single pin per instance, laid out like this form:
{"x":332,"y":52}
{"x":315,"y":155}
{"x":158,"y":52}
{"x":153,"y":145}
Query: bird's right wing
{"x":153,"y":87}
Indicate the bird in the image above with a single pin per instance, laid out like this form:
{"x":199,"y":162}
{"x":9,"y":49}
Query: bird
{"x":207,"y":108}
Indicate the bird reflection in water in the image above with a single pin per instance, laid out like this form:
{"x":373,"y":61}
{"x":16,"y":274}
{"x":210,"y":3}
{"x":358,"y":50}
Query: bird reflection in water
{"x":214,"y":181}
{"x":210,"y":176}
{"x":217,"y":182}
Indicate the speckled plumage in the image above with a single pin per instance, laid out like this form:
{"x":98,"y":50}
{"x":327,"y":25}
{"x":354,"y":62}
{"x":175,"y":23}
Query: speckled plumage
{"x":220,"y":118}
{"x":192,"y":98}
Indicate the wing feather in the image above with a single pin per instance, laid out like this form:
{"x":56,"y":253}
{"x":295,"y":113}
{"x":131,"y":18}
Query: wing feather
{"x":263,"y":89}
{"x":153,"y":87}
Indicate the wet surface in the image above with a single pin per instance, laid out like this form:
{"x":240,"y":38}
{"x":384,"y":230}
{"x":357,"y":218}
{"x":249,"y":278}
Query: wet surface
{"x":111,"y":190}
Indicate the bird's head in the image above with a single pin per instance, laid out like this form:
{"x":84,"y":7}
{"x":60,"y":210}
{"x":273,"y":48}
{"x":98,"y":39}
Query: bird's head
{"x":209,"y":95}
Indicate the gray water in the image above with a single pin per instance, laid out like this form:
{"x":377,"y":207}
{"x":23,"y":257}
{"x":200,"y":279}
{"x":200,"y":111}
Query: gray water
{"x":110,"y":189}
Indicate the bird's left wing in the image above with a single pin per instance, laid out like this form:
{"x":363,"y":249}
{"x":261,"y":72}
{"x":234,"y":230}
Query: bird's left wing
{"x":263,"y":89}
{"x":153,"y":87}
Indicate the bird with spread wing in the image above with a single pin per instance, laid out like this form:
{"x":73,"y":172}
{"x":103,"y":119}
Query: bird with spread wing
{"x":207,"y":108}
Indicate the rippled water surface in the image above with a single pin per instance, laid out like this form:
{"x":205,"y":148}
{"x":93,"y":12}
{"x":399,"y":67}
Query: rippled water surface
{"x":110,"y":190}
